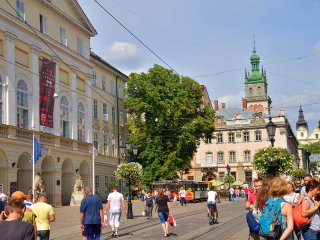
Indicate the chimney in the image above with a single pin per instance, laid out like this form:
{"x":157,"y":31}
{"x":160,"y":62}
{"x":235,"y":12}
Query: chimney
{"x":244,"y":103}
{"x":223,"y":105}
{"x":216,"y":105}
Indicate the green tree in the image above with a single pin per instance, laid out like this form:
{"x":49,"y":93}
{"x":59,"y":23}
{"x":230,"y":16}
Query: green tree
{"x":129,"y":172}
{"x":313,"y":148}
{"x":167,"y":120}
{"x":298,"y":173}
{"x":273,"y":161}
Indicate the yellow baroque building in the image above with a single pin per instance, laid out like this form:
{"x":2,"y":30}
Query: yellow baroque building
{"x":54,"y":87}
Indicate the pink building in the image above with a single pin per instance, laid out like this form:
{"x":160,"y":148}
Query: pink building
{"x":240,"y":132}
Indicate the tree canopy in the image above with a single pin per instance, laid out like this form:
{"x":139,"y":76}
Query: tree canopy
{"x":167,"y":119}
{"x":313,"y":148}
{"x":273,"y":161}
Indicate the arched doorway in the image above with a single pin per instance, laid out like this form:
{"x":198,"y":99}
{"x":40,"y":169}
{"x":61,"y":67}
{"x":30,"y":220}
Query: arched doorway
{"x":85,"y":173}
{"x":24,"y":172}
{"x":3,"y":171}
{"x":67,"y":182}
{"x":47,"y":168}
{"x":208,"y":175}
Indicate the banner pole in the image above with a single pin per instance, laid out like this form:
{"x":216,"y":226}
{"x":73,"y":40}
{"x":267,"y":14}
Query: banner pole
{"x":33,"y":166}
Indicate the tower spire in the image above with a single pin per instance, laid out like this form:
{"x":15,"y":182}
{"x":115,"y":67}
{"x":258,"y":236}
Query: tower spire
{"x":301,"y":121}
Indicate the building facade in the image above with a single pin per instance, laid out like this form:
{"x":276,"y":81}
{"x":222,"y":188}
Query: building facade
{"x":55,"y":88}
{"x":240,"y":132}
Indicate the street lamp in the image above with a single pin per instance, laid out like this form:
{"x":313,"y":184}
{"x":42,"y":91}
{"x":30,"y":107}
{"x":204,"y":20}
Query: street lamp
{"x":129,"y":159}
{"x":308,"y":154}
{"x":271,"y":129}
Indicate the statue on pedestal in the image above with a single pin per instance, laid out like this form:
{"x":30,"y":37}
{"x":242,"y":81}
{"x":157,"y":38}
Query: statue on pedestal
{"x":38,"y":186}
{"x":78,"y":192}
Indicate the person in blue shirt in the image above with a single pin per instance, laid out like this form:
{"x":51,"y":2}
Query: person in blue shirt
{"x":91,"y":215}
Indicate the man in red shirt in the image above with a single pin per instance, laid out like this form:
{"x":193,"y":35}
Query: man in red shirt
{"x":252,"y":198}
{"x":246,"y":192}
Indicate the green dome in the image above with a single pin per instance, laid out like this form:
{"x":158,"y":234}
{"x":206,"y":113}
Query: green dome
{"x":254,"y":57}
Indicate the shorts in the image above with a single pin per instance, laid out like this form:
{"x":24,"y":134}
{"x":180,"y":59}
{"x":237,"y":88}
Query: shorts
{"x":114,"y":219}
{"x":212,"y":205}
{"x":92,"y":231}
{"x":163,"y":216}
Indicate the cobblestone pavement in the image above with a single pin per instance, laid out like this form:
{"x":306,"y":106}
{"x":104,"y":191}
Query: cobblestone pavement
{"x":192,"y":223}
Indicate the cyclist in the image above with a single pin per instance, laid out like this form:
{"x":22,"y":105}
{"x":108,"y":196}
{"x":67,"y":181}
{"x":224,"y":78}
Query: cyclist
{"x":213,"y":198}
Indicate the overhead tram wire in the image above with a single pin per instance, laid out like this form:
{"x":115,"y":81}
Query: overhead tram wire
{"x":56,"y":55}
{"x":138,"y":39}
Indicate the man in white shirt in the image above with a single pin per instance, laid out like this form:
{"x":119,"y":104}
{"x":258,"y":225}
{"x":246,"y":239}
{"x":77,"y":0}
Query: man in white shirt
{"x":183,"y":194}
{"x":115,"y":200}
{"x":3,"y":197}
{"x":212,"y":202}
{"x":231,"y":192}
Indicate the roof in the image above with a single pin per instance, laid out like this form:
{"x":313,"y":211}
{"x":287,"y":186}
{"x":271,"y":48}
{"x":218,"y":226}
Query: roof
{"x":230,"y":113}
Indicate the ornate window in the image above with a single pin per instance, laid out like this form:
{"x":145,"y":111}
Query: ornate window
{"x":22,"y":104}
{"x":209,"y":157}
{"x":64,"y":117}
{"x":106,"y":144}
{"x":247,"y":156}
{"x":246,"y":136}
{"x":81,"y":122}
{"x":220,"y":157}
{"x":317,"y":136}
{"x":63,"y":37}
{"x":219,"y":138}
{"x":20,"y":9}
{"x":232,"y":157}
{"x":105,"y":112}
{"x":231,"y":137}
{"x":95,"y":108}
{"x":96,"y":140}
{"x":103,"y":82}
{"x":258,"y":136}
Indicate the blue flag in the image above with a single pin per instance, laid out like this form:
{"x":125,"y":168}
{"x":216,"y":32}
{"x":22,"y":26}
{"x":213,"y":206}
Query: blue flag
{"x":38,"y":150}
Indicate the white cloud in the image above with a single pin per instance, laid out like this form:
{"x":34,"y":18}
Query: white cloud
{"x":124,"y":55}
{"x":232,"y":100}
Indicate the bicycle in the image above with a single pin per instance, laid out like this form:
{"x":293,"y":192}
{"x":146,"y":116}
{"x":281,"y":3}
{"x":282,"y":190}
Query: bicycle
{"x":213,"y":213}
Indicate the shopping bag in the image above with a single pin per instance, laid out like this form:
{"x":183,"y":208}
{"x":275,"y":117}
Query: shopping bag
{"x":105,"y":218}
{"x":143,"y":213}
{"x":171,"y":221}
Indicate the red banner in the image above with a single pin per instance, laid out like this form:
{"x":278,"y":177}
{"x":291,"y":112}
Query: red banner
{"x":47,"y":90}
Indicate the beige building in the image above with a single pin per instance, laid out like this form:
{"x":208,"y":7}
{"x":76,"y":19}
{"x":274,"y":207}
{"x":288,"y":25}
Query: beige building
{"x":81,"y":103}
{"x":240,"y":132}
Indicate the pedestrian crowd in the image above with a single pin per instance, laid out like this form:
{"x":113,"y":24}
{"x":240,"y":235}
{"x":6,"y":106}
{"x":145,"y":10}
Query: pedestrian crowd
{"x":23,"y":219}
{"x":284,"y":210}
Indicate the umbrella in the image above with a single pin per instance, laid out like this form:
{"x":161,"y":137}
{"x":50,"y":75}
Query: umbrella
{"x":237,"y":183}
{"x":216,"y":183}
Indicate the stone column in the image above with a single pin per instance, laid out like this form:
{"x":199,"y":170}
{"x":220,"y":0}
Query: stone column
{"x":74,"y":112}
{"x":35,"y":87}
{"x":10,"y":100}
{"x":89,"y":114}
{"x":56,"y":111}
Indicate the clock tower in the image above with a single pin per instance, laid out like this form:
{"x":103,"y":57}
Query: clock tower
{"x":256,"y":87}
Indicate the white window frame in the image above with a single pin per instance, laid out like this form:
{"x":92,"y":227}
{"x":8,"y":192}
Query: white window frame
{"x":63,"y":37}
{"x":258,"y":135}
{"x":95,"y":109}
{"x":94,"y":78}
{"x":121,"y":119}
{"x":20,"y":10}
{"x":219,"y":138}
{"x":231,"y":137}
{"x":81,"y":122}
{"x":64,"y":116}
{"x":247,"y":156}
{"x":232,"y":157}
{"x":103,"y":83}
{"x":106,"y":144}
{"x":220,"y":157}
{"x":105,"y":112}
{"x":22,"y":104}
{"x":79,"y":46}
{"x":96,"y":140}
{"x":209,"y":157}
{"x":43,"y":24}
{"x":112,"y":87}
{"x":246,"y":136}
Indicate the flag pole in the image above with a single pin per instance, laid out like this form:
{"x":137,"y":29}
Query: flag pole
{"x":93,"y":172}
{"x":33,"y":166}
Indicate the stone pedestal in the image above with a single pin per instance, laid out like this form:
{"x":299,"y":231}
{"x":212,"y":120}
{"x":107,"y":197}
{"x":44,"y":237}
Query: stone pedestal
{"x":76,"y":199}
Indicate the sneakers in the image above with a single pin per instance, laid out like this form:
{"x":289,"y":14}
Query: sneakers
{"x":113,"y":234}
{"x":116,"y":235}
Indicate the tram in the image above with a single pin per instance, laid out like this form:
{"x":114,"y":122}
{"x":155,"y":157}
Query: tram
{"x":196,"y":191}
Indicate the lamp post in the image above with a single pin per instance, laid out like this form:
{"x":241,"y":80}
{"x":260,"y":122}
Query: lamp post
{"x":228,"y":170}
{"x":271,"y":129}
{"x":308,"y":154}
{"x":298,"y":162}
{"x":129,"y":159}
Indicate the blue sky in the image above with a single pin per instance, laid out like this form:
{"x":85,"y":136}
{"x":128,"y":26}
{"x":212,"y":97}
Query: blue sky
{"x":215,"y":38}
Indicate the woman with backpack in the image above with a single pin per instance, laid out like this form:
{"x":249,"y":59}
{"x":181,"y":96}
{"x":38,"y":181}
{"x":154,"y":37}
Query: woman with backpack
{"x":275,"y":205}
{"x":310,"y":209}
{"x":148,"y":205}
